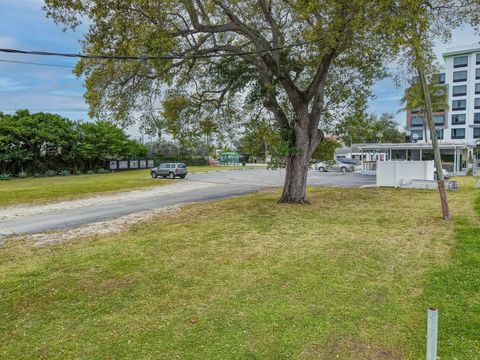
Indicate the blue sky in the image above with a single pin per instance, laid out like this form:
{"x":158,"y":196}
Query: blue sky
{"x":23,"y":25}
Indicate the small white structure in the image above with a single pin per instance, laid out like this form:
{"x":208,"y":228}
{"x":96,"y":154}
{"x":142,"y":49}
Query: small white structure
{"x":400,"y":173}
{"x":456,"y":156}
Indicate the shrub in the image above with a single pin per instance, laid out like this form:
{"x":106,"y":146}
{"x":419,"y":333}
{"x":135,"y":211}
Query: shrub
{"x":90,"y":172}
{"x":50,"y":173}
{"x":64,"y":173}
{"x":103,"y":171}
{"x":38,"y":175}
{"x":470,"y":172}
{"x":22,"y":175}
{"x":5,"y":177}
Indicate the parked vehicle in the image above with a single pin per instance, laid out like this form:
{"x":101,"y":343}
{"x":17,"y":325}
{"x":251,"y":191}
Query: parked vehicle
{"x":336,"y":166}
{"x":170,"y":170}
{"x":353,"y":162}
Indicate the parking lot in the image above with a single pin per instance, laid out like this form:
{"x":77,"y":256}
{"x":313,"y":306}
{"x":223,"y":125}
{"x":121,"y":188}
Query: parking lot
{"x":264,"y":177}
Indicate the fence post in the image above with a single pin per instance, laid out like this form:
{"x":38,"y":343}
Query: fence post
{"x":432,"y":333}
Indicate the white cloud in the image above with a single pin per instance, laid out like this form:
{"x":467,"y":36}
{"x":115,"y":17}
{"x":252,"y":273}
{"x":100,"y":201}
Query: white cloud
{"x":10,"y":85}
{"x":7,"y":42}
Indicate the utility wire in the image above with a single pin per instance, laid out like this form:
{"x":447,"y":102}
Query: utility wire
{"x":35,"y":63}
{"x":144,"y":58}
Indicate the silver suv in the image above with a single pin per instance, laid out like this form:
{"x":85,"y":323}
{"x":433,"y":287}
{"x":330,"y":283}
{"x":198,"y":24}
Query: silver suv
{"x":170,"y":170}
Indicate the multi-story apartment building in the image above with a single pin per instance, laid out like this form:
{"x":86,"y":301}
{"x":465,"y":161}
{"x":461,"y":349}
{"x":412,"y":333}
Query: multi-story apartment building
{"x":461,"y":121}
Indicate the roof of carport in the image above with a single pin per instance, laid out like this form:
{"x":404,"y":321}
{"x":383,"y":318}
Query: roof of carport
{"x":413,"y":146}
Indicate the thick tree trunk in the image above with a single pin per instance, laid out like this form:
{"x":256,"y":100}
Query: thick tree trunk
{"x":295,"y":186}
{"x":297,"y":164}
{"x":436,"y":150}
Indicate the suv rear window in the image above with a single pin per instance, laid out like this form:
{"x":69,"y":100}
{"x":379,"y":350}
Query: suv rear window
{"x":182,"y":166}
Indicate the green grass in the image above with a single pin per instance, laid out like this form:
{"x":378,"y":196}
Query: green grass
{"x":348,"y":277}
{"x":48,"y":189}
{"x":455,"y":289}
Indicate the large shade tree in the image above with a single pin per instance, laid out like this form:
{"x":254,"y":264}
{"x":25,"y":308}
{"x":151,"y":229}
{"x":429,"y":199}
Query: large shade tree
{"x":361,"y":127}
{"x":305,"y":61}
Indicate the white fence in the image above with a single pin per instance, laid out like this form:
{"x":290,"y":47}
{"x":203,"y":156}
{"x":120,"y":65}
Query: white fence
{"x":397,"y":173}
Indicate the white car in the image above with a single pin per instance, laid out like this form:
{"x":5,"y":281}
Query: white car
{"x":336,"y":166}
{"x":446,"y":175}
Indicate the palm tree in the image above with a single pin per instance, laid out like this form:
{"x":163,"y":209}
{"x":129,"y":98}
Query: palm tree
{"x":154,"y":125}
{"x":414,"y":100}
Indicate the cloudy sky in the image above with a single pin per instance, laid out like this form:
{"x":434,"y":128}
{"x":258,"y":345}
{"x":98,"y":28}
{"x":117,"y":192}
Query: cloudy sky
{"x":23,"y":25}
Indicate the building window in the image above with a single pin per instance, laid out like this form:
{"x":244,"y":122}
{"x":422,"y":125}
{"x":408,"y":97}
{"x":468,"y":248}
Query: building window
{"x":477,"y":73}
{"x":440,"y":134}
{"x":439,"y":120}
{"x":441,"y":78}
{"x":477,"y":88}
{"x":416,"y":121}
{"x":477,"y":103}
{"x":476,"y":132}
{"x":460,"y":75}
{"x":458,"y":133}
{"x":417,"y":134}
{"x":478,"y":58}
{"x":458,"y":119}
{"x":476,"y":118}
{"x":459,"y":105}
{"x":460,"y":61}
{"x":459,"y":90}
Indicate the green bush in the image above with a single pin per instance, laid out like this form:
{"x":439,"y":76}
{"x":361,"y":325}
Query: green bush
{"x":64,"y":173}
{"x":71,"y":145}
{"x":5,"y":177}
{"x":22,"y":175}
{"x":50,"y":173}
{"x":38,"y":174}
{"x":103,"y":171}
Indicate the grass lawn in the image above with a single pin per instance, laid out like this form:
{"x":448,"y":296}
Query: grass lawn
{"x":348,"y":277}
{"x":41,"y":190}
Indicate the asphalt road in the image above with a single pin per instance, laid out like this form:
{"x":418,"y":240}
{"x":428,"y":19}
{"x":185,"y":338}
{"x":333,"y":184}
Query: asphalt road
{"x":224,"y":184}
{"x":263,"y":177}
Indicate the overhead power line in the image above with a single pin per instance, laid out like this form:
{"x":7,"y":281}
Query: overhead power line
{"x":144,"y":58}
{"x":35,"y":63}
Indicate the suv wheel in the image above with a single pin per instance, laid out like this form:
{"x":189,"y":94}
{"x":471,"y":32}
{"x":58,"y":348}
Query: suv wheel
{"x":321,"y":169}
{"x":154,"y":174}
{"x":343,"y":169}
{"x":171,"y":176}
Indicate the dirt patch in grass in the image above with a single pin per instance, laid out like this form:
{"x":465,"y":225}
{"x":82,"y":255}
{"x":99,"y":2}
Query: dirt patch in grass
{"x":353,"y":349}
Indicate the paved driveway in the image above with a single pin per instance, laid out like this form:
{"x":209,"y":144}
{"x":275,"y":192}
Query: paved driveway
{"x":198,"y":187}
{"x":264,"y":177}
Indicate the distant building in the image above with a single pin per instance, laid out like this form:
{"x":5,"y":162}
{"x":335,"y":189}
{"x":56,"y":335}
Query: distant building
{"x":461,"y":122}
